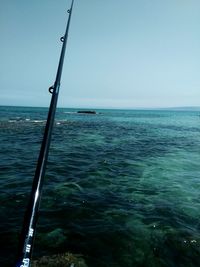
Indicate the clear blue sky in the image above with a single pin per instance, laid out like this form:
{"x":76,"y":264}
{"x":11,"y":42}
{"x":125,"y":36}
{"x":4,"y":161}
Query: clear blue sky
{"x":121,"y":53}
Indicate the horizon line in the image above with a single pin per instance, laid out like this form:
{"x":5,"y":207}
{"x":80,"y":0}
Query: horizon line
{"x":117,"y":108}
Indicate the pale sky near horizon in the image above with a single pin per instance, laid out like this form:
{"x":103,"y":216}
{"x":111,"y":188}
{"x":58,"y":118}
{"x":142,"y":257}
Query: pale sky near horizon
{"x":120,"y":54}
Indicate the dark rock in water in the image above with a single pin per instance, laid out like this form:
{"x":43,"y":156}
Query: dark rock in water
{"x":87,"y":112}
{"x":60,"y":260}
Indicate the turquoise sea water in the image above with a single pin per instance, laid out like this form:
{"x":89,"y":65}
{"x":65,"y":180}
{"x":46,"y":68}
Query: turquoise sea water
{"x":122,"y":187}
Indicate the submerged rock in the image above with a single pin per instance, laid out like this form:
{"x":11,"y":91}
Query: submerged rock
{"x":60,"y":260}
{"x":55,"y":238}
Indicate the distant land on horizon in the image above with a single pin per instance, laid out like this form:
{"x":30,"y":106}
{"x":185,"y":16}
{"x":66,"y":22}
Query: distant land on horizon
{"x":186,"y":108}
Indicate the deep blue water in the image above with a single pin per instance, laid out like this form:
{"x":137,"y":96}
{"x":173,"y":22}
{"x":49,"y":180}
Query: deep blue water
{"x":122,"y":187}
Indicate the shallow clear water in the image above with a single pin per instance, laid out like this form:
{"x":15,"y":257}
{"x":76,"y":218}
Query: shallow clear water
{"x":122,"y":187}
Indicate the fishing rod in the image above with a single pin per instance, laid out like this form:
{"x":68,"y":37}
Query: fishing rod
{"x":30,"y":218}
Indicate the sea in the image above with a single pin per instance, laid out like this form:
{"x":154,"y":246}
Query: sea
{"x":122,"y":187}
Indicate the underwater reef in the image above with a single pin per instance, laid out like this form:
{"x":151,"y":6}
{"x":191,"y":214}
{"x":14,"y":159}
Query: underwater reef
{"x":60,"y":260}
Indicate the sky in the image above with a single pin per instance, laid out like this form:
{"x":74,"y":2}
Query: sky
{"x":120,"y":53}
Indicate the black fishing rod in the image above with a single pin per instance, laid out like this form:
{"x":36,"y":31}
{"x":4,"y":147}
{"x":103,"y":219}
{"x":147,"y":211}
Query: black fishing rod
{"x":31,"y":214}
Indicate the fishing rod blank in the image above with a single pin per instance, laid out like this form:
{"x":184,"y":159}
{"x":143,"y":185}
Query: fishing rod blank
{"x":31,"y":214}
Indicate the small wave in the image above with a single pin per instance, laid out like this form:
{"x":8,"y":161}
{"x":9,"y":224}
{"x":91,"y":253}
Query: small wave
{"x":25,"y":121}
{"x":18,"y":119}
{"x":12,"y":121}
{"x":39,"y":121}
